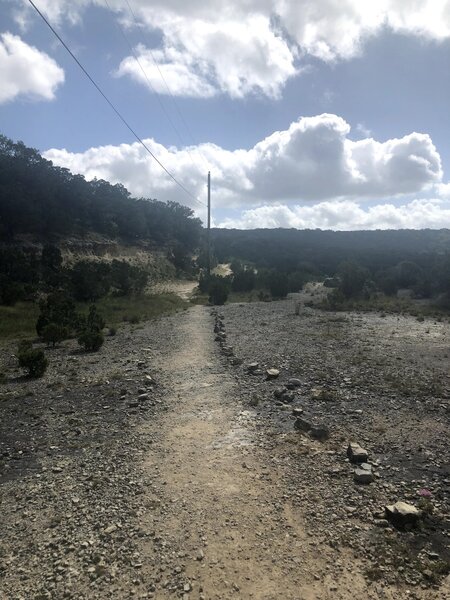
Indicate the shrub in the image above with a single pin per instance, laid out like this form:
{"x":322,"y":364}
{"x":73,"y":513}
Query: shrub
{"x":32,"y":359}
{"x":58,"y":309}
{"x":218,"y":290}
{"x":91,"y":340}
{"x":54,"y":333}
{"x":90,"y":332}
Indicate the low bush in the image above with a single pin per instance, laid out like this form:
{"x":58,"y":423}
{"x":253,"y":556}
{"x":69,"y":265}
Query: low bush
{"x":218,"y":290}
{"x":53,"y":333}
{"x":91,"y":340}
{"x":32,"y":359}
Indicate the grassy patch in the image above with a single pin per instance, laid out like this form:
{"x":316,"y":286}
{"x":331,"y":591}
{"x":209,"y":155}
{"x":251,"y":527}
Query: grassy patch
{"x":19,"y":320}
{"x":134,"y":309}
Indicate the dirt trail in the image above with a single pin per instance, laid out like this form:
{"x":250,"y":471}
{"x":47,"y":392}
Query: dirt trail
{"x":225,"y":511}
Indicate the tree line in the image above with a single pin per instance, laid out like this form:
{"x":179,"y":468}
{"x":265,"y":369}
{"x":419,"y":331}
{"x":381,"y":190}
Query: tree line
{"x":48,"y":202}
{"x":361,"y":263}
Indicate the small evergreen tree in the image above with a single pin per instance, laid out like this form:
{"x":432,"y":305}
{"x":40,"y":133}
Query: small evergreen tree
{"x":53,"y":333}
{"x":58,"y":309}
{"x":32,"y":359}
{"x":90,"y":333}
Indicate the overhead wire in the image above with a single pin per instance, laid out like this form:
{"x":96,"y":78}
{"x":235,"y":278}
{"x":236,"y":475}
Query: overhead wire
{"x":117,"y":112}
{"x":175,"y":103}
{"x":151,"y":86}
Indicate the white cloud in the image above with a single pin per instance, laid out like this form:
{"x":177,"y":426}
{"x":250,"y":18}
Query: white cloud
{"x":202,"y":57}
{"x":24,"y":70}
{"x":312,"y":160}
{"x":242,"y":47}
{"x":179,"y":74}
{"x":346,"y":215}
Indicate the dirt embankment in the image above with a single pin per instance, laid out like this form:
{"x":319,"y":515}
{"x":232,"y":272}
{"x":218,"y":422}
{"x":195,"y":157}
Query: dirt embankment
{"x":97,"y":248}
{"x":160,"y":468}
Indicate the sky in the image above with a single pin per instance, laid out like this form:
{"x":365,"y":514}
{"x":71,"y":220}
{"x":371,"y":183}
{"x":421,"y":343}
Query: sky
{"x":330,"y":114}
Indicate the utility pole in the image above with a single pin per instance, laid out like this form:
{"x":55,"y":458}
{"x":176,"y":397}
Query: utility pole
{"x":208,"y":232}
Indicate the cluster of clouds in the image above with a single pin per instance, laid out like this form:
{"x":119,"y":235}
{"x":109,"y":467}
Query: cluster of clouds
{"x":26,"y":70}
{"x":313,"y":161}
{"x":311,"y":174}
{"x":346,"y":215}
{"x":247,"y":47}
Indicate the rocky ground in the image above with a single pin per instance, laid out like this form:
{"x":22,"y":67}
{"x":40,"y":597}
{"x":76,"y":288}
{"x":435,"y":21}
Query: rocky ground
{"x":164,"y":467}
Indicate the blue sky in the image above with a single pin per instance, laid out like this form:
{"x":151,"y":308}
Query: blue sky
{"x":309,"y":113}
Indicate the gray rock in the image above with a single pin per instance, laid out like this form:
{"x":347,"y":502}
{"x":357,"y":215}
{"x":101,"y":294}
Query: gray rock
{"x":272,"y":373}
{"x":293,"y":383}
{"x":356,"y":454}
{"x":302,"y":425}
{"x":319,"y":432}
{"x":252,"y":367}
{"x":402,"y":514}
{"x":363,"y":474}
{"x":287,"y":396}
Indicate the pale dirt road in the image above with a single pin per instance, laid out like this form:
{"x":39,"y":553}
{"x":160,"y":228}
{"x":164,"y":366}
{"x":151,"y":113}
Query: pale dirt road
{"x":218,"y":503}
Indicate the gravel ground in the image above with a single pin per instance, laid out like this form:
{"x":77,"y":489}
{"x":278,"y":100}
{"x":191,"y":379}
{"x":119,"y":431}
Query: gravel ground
{"x":160,"y":468}
{"x":382,"y":381}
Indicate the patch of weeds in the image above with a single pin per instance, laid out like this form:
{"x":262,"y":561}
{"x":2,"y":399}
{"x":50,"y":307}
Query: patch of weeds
{"x":435,"y":571}
{"x":374,"y":573}
{"x":426,"y":506}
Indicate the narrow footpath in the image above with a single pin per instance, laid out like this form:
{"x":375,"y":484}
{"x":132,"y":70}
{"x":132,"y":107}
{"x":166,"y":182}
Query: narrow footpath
{"x":217,"y":502}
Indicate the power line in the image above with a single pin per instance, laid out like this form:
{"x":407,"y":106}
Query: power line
{"x":151,"y":86}
{"x":175,"y":103}
{"x":122,"y":118}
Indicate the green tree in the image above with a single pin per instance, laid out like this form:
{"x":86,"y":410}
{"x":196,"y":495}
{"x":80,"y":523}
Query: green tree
{"x":90,"y":280}
{"x":278,"y":284}
{"x":59,"y":309}
{"x":51,"y":263}
{"x":352,"y":279}
{"x":218,"y":289}
{"x":244,"y":280}
{"x":90,"y":334}
{"x":128,"y":279}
